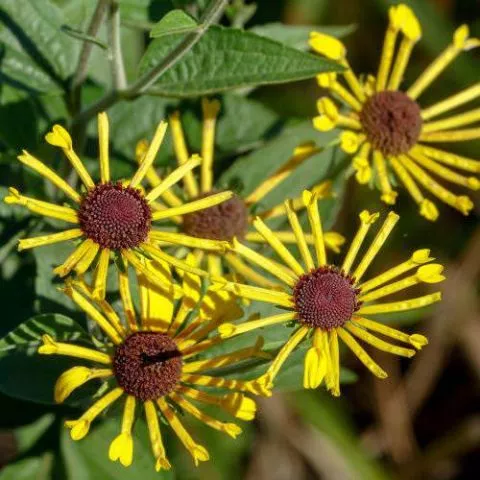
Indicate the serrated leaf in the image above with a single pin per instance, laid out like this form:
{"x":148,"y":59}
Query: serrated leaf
{"x":25,"y":374}
{"x":36,"y":26}
{"x":296,"y":36}
{"x":228,"y":58}
{"x":176,"y":21}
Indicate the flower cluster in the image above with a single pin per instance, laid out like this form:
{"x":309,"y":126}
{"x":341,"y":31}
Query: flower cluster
{"x":163,"y":347}
{"x":382,"y":124}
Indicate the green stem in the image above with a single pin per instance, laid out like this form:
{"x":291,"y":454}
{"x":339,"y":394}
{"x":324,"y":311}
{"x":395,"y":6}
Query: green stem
{"x":212,"y":13}
{"x":116,"y":57}
{"x":82,"y":66}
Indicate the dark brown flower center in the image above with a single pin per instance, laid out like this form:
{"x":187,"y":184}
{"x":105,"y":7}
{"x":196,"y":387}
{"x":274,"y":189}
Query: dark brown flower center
{"x":325,"y":298}
{"x":221,"y":222}
{"x":392,"y":122}
{"x":115,"y":216}
{"x":147,"y":365}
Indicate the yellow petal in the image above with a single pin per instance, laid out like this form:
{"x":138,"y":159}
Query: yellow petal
{"x":59,"y":137}
{"x":326,"y":45}
{"x":349,"y":142}
{"x":431,"y":273}
{"x":410,"y":25}
{"x":75,"y":377}
{"x":122,"y":449}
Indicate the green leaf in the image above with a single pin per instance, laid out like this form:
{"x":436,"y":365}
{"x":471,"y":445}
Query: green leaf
{"x":242,"y":123}
{"x":19,"y":68}
{"x":49,"y":298}
{"x":227,"y":58}
{"x":88,"y":459}
{"x":252,"y":169}
{"x":296,"y":36}
{"x":176,"y":21}
{"x":17,"y":108}
{"x":137,"y":120}
{"x":23,"y":372}
{"x":36,"y":26}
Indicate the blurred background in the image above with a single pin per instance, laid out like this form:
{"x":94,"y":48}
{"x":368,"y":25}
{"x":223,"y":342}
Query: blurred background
{"x":421,"y":422}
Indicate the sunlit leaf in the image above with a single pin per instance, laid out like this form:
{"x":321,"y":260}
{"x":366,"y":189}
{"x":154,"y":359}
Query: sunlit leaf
{"x":227,"y":58}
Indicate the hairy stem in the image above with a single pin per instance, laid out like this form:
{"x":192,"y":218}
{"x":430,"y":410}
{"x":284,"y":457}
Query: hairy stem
{"x":81,"y":71}
{"x":116,"y":57}
{"x":212,"y":13}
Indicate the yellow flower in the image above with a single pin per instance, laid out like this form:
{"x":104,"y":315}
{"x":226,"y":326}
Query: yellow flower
{"x":231,"y":218}
{"x":151,"y":359}
{"x":112,"y":216}
{"x":387,"y":132}
{"x":328,"y":302}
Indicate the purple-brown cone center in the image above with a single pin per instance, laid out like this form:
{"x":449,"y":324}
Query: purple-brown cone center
{"x":392,"y":122}
{"x":114,"y":216}
{"x":325,"y":298}
{"x":147,"y":365}
{"x":221,"y":222}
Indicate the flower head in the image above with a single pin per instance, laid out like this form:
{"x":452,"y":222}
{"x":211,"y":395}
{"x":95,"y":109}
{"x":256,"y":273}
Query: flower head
{"x":328,"y":302}
{"x":114,"y":216}
{"x":390,"y":137}
{"x":151,"y":360}
{"x":232,"y":218}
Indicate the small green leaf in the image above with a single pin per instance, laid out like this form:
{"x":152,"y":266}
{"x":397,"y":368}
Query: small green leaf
{"x":296,"y":36}
{"x":228,"y":58}
{"x":176,"y":21}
